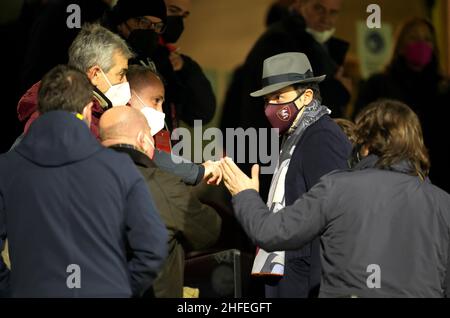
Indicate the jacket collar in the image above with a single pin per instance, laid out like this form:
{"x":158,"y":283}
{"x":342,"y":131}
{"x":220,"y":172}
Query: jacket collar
{"x":104,"y":102}
{"x":371,"y":161}
{"x":138,"y":157}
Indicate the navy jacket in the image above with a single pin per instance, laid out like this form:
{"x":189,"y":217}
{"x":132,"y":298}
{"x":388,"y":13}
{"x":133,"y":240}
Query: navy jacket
{"x":65,"y":200}
{"x":374,"y":225}
{"x":323,"y":148}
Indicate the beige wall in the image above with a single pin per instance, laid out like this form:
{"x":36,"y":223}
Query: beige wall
{"x":219,"y":33}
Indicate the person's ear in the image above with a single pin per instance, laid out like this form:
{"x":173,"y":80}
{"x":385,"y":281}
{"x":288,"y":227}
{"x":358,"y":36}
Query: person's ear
{"x":141,"y":141}
{"x":87,"y":113}
{"x":94,"y":75}
{"x":308,"y":96}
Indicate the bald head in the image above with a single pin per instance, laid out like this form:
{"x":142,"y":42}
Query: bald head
{"x":122,"y":125}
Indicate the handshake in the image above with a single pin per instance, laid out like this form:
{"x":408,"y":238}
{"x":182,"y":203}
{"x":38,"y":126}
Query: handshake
{"x":234,"y":179}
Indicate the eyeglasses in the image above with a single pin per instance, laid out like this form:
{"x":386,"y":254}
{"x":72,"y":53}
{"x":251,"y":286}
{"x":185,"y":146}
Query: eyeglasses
{"x":146,"y":24}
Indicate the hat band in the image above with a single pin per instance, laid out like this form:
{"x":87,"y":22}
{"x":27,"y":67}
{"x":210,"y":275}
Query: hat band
{"x":290,"y":77}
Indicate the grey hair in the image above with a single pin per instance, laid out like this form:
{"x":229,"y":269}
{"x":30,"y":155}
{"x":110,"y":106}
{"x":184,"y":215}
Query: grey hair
{"x":96,"y":45}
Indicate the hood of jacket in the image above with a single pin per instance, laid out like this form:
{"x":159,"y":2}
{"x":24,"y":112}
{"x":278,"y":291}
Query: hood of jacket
{"x":58,"y":138}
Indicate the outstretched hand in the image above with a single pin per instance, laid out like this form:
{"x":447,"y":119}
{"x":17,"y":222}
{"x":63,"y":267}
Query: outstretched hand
{"x":235,"y":180}
{"x":213,"y":172}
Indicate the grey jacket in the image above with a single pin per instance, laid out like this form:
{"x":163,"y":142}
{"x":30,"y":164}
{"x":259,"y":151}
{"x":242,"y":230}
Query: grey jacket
{"x":375,"y":225}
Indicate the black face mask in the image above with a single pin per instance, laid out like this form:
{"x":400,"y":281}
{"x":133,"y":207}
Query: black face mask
{"x":174,"y":29}
{"x":143,"y":42}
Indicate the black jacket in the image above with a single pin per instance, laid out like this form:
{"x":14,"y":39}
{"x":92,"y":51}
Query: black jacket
{"x":64,"y":199}
{"x":364,"y":217}
{"x":191,"y":225}
{"x":428,"y":94}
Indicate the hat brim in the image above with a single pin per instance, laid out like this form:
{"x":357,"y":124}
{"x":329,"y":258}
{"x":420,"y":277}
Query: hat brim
{"x":276,"y":87}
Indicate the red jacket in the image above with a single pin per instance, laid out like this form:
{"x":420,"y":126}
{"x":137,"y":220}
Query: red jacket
{"x":27,"y":109}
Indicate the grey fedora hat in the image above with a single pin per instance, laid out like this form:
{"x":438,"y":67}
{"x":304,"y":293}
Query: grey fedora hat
{"x":284,"y":70}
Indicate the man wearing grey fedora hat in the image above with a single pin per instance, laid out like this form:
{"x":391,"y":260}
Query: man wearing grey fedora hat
{"x":313,"y":145}
{"x":308,"y":29}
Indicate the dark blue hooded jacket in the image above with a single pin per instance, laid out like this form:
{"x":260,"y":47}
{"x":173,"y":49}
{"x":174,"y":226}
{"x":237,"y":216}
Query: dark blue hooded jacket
{"x":67,"y":202}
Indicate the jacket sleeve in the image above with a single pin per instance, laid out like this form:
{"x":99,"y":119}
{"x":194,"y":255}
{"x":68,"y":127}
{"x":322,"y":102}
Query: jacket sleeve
{"x":289,"y":229}
{"x":202,"y":224}
{"x":198,"y":223}
{"x":147,"y":238}
{"x":200,"y":101}
{"x":189,"y":172}
{"x":323,"y":152}
{"x":4,"y":271}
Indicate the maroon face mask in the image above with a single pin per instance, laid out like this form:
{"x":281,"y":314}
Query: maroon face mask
{"x":282,"y":116}
{"x":419,"y":53}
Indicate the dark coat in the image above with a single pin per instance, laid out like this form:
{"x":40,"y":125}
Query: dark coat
{"x":322,"y":148}
{"x":428,"y":94}
{"x":364,"y":217}
{"x":191,"y":225}
{"x":64,"y":199}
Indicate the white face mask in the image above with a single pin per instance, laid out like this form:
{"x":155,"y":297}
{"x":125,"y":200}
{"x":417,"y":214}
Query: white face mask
{"x":119,"y":94}
{"x":321,"y":37}
{"x":154,"y":118}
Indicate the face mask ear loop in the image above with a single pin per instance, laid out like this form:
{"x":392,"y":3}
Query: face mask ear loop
{"x":142,"y":102}
{"x":150,"y":141}
{"x":106,"y":78}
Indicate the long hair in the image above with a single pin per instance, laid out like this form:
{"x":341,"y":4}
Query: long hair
{"x":392,"y":131}
{"x":400,"y":42}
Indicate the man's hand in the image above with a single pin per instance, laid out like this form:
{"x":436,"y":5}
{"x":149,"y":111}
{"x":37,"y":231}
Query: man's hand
{"x":235,"y":180}
{"x":213,"y":172}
